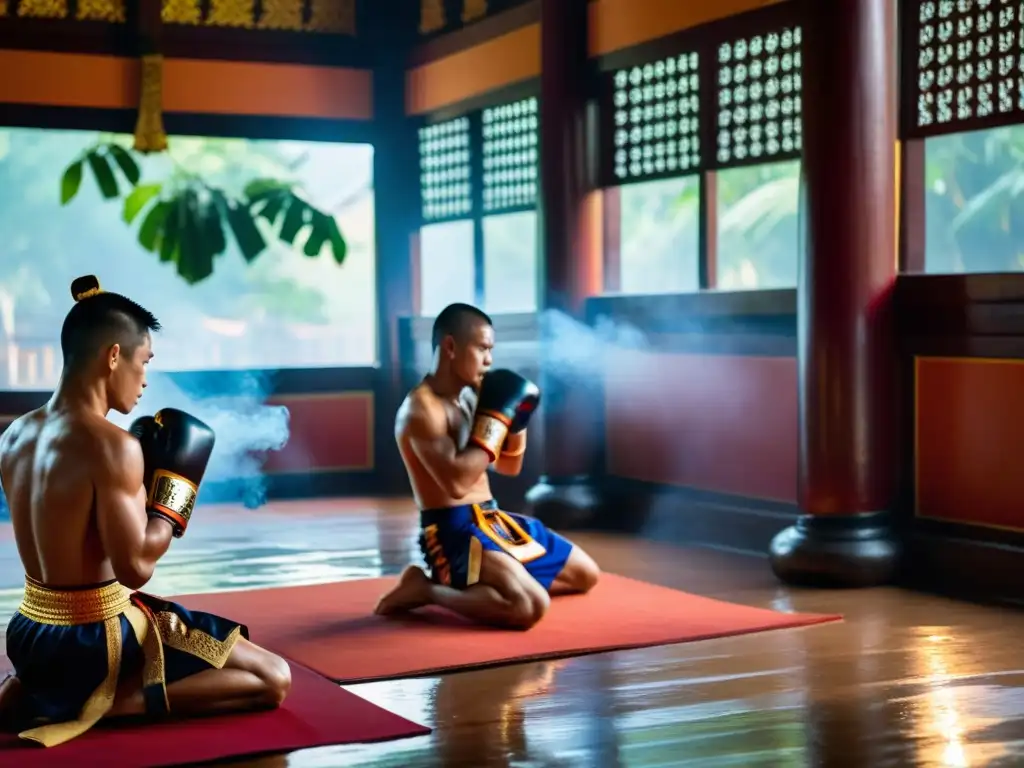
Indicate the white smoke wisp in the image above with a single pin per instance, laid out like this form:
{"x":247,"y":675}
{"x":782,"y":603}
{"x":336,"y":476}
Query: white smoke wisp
{"x":243,"y":423}
{"x":575,"y":353}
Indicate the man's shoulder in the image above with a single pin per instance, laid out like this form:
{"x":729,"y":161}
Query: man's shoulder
{"x":25,"y":424}
{"x":104,"y":440}
{"x":421,"y":410}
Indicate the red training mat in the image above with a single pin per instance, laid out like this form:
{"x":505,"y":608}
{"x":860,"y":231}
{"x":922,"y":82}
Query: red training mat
{"x":317,"y":713}
{"x":331,"y":627}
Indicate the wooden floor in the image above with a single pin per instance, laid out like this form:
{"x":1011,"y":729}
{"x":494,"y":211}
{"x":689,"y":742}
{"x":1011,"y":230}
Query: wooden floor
{"x":906,"y":680}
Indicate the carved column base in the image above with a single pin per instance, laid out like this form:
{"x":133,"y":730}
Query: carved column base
{"x":564,"y":502}
{"x":836,"y":551}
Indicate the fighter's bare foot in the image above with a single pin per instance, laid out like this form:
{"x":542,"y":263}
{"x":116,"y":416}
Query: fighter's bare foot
{"x":10,"y":701}
{"x":412,"y":591}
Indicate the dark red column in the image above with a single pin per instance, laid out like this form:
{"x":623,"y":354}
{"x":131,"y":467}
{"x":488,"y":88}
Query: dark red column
{"x":846,"y":334}
{"x":569,"y":215}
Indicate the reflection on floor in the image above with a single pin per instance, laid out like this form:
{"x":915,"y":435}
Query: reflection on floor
{"x":906,"y":680}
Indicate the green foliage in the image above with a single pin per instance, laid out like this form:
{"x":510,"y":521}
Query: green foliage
{"x":187,"y":221}
{"x":974,"y":201}
{"x":101,"y":160}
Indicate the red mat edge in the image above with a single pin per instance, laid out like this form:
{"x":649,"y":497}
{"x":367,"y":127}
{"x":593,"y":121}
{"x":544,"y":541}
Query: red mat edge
{"x":812,"y":620}
{"x":416,"y":728}
{"x":798,"y":621}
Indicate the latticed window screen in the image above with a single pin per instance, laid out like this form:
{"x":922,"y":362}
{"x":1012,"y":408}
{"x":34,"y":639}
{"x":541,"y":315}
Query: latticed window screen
{"x":445,"y":175}
{"x":968,"y":68}
{"x":510,"y":155}
{"x":657,"y":118}
{"x":759,"y":98}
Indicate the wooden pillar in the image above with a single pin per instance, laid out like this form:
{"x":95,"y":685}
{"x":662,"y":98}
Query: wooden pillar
{"x":569,"y":212}
{"x":846,"y":331}
{"x":396,"y":218}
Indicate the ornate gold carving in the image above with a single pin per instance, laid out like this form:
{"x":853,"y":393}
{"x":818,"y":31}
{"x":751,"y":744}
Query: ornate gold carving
{"x":181,"y":12}
{"x":431,"y":16}
{"x":150,"y":135}
{"x":176,"y":634}
{"x":281,"y":14}
{"x":333,"y":16}
{"x":43,"y":9}
{"x":101,"y":10}
{"x":473,"y":10}
{"x":231,"y":13}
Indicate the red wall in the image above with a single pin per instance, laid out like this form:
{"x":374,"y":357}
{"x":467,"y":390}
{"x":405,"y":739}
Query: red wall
{"x":725,"y":423}
{"x":969,"y":441}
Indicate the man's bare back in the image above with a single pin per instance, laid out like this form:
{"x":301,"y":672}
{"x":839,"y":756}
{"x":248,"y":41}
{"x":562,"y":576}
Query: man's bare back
{"x":50,"y":465}
{"x":425,"y":416}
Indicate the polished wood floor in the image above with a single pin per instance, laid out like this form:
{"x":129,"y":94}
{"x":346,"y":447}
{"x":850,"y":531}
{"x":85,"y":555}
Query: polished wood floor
{"x":906,"y":680}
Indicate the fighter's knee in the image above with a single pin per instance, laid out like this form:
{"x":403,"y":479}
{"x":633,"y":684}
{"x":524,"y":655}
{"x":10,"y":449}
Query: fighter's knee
{"x":528,"y":608}
{"x":588,"y":576}
{"x":276,"y":676}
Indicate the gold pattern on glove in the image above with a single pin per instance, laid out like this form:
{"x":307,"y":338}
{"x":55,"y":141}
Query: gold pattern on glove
{"x":489,"y":432}
{"x":174,"y":494}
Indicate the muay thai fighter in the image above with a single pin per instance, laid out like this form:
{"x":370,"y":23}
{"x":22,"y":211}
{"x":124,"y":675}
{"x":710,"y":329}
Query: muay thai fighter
{"x":93,"y":509}
{"x":488,"y":565}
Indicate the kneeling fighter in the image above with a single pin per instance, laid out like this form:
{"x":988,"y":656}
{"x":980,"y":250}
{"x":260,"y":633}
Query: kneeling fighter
{"x":93,"y":508}
{"x":486,"y":564}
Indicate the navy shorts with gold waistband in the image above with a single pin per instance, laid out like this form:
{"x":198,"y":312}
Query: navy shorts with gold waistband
{"x":453,"y":540}
{"x":71,"y":647}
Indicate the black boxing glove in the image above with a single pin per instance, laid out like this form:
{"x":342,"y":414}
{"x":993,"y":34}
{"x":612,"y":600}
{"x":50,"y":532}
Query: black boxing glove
{"x":505,"y":404}
{"x":145,"y":429}
{"x":177,"y":449}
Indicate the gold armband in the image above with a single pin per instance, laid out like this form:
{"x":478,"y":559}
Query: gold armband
{"x":489,"y":432}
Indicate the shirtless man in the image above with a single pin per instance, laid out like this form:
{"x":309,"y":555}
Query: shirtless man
{"x":93,"y":508}
{"x":491,"y":566}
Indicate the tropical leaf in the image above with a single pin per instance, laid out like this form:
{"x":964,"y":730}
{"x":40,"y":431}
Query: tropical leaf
{"x":103,"y":174}
{"x":70,"y":182}
{"x":150,"y":233}
{"x":187,"y":225}
{"x":247,"y":234}
{"x":125,"y":162}
{"x":138,"y":199}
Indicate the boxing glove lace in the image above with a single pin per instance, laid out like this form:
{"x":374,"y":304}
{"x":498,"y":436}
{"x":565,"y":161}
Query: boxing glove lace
{"x":177,"y":448}
{"x":505,"y":404}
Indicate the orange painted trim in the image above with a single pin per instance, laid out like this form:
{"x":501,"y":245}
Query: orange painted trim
{"x":497,"y":63}
{"x":367,"y":395}
{"x":618,"y":24}
{"x":190,"y":86}
{"x":917,"y":439}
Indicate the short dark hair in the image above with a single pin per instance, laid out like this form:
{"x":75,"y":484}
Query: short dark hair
{"x":101,"y":320}
{"x":455,"y":320}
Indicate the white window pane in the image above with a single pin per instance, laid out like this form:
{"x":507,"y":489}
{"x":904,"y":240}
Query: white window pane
{"x":974,"y":213}
{"x":510,"y":262}
{"x":758,"y":226}
{"x":282,"y":310}
{"x":446,"y":265}
{"x":659,"y":236}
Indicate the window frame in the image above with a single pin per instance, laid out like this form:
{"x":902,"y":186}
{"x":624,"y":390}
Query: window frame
{"x":705,"y":41}
{"x":473,"y":110}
